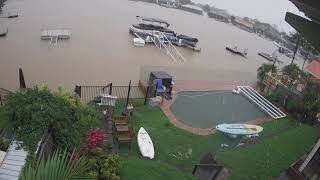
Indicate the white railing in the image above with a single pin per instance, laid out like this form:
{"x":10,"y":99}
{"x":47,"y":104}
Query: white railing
{"x":262,"y":102}
{"x":171,"y":51}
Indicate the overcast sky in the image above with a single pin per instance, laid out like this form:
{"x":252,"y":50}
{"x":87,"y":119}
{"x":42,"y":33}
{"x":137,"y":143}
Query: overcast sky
{"x":269,"y":11}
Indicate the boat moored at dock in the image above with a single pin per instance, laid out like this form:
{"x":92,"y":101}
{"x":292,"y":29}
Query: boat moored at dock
{"x":270,"y":57}
{"x":235,"y":50}
{"x":3,"y":32}
{"x":147,"y":25}
{"x":147,"y":30}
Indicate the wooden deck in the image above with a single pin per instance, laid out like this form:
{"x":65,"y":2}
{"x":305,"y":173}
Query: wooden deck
{"x":89,"y":93}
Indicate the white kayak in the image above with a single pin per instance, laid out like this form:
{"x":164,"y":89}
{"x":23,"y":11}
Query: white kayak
{"x":145,"y":144}
{"x":239,"y":129}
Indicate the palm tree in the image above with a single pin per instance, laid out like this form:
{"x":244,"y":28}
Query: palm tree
{"x":293,"y":71}
{"x":264,"y":69}
{"x":59,"y":166}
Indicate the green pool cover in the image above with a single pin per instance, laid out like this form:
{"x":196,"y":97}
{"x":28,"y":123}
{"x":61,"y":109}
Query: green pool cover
{"x":210,"y":108}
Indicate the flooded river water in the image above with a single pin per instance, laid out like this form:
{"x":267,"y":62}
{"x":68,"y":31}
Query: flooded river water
{"x":101,"y":51}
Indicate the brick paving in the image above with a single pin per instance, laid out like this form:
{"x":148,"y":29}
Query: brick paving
{"x":195,"y":85}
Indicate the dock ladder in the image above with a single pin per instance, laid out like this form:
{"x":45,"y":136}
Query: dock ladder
{"x":159,"y":39}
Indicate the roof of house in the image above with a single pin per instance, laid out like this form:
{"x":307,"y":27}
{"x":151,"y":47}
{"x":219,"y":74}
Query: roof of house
{"x":219,"y":13}
{"x":314,"y":69}
{"x":243,"y":22}
{"x":192,"y":7}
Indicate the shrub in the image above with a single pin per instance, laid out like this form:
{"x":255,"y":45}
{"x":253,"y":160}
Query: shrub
{"x":4,"y":144}
{"x":57,"y":166}
{"x":104,"y":167}
{"x":95,"y":138}
{"x":34,"y":112}
{"x":274,"y":97}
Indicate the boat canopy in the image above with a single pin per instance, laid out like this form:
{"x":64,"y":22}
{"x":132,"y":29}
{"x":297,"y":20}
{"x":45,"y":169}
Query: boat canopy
{"x":161,"y":21}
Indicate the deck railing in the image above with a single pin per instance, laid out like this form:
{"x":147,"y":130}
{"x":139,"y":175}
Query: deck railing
{"x":130,"y":94}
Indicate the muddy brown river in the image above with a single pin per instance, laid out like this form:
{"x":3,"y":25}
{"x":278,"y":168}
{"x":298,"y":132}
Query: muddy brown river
{"x":101,"y":49}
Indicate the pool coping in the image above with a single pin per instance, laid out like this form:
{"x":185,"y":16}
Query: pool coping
{"x":195,"y":85}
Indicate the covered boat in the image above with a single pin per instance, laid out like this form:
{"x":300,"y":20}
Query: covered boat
{"x":3,"y":32}
{"x":239,"y":129}
{"x":269,"y":57}
{"x":147,"y":25}
{"x":235,"y":50}
{"x":188,"y":38}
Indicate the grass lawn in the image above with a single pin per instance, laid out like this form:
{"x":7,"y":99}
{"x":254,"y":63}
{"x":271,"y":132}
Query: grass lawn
{"x":282,"y":142}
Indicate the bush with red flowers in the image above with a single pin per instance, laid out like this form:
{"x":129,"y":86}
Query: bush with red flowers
{"x":95,"y":138}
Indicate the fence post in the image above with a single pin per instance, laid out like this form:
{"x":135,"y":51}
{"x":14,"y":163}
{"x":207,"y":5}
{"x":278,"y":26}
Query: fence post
{"x":110,"y":89}
{"x":128,"y":96}
{"x":21,"y":79}
{"x":77,"y":90}
{"x":0,"y":100}
{"x":146,"y":98}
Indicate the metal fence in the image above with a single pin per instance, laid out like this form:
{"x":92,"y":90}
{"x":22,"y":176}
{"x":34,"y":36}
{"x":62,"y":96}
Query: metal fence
{"x":130,"y":94}
{"x":4,"y":93}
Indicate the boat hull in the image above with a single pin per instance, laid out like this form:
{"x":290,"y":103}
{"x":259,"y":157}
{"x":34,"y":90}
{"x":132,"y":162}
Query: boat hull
{"x":239,"y":129}
{"x":145,"y":144}
{"x":267,"y":56}
{"x":235,"y":51}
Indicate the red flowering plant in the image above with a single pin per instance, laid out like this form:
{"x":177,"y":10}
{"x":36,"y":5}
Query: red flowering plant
{"x":94,"y":138}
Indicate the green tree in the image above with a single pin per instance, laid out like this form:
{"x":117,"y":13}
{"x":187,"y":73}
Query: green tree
{"x":103,"y":166}
{"x":232,"y":18}
{"x":34,"y":112}
{"x":311,"y":98}
{"x":293,"y":71}
{"x":206,"y":8}
{"x":58,"y":166}
{"x":264,"y":69}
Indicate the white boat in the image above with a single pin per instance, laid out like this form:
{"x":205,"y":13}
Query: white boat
{"x":139,"y":42}
{"x":236,"y":91}
{"x":145,"y":144}
{"x":239,"y":129}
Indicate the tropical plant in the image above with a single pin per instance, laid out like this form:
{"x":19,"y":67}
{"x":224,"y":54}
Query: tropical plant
{"x":104,"y":167}
{"x":293,"y":71}
{"x":59,"y":166}
{"x":34,"y":112}
{"x":95,"y":138}
{"x":206,"y":8}
{"x":264,"y":69}
{"x":274,"y":97}
{"x":4,"y":144}
{"x":311,"y":98}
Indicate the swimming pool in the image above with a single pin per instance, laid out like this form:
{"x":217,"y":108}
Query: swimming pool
{"x":206,"y":109}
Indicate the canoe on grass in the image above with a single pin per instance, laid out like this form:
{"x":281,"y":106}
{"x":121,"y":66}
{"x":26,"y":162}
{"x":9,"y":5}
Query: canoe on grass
{"x":145,"y":144}
{"x":239,"y":129}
